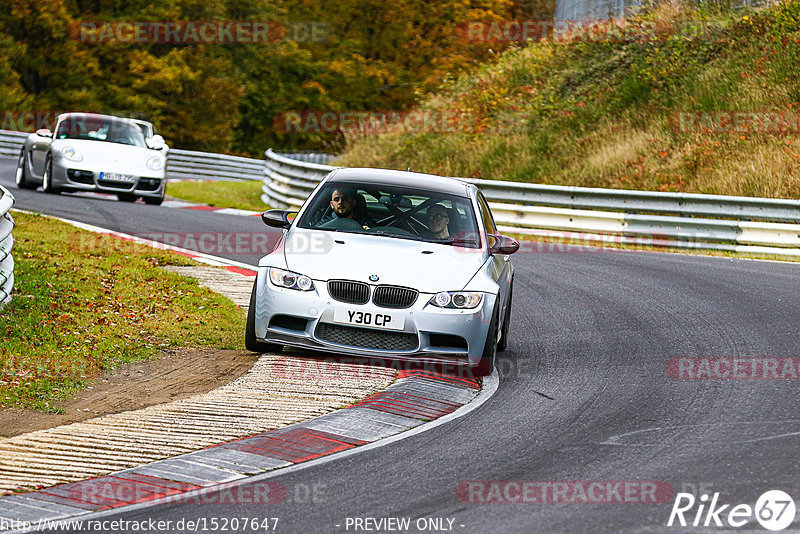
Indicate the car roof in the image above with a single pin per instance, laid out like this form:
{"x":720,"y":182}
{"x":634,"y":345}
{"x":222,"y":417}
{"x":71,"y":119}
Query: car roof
{"x":429,"y":182}
{"x":98,"y":116}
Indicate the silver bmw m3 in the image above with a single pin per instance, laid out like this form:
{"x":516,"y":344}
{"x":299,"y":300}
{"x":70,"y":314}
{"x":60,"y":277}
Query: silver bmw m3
{"x":387,"y":264}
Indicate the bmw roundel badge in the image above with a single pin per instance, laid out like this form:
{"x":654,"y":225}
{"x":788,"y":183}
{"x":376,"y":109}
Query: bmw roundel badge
{"x":373,"y":278}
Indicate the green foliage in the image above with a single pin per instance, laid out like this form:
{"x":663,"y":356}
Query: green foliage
{"x":375,"y":55}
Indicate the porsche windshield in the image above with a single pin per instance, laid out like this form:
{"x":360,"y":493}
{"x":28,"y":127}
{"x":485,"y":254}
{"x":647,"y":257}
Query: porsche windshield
{"x":108,"y":129}
{"x":397,"y":212}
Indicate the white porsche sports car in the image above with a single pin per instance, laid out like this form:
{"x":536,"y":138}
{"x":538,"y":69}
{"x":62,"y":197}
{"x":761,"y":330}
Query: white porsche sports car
{"x":387,"y":264}
{"x":91,"y":152}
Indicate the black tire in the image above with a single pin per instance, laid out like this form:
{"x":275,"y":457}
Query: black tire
{"x":127,"y":197}
{"x":153,"y":201}
{"x":21,"y":177}
{"x":489,"y":355}
{"x":503,"y":344}
{"x":250,"y":342}
{"x":47,"y":179}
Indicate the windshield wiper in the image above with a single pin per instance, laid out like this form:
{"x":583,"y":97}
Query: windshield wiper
{"x":453,"y":241}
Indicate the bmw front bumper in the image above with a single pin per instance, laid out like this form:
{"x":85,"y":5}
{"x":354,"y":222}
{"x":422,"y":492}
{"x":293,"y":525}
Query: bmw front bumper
{"x":305,"y":319}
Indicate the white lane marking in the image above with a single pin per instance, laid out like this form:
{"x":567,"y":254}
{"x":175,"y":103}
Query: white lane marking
{"x":619,"y":439}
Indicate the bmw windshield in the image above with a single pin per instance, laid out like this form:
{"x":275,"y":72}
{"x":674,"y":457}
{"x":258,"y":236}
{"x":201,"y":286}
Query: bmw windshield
{"x":393,"y":211}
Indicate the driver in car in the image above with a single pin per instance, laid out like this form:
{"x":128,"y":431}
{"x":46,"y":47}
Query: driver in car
{"x":343,"y":204}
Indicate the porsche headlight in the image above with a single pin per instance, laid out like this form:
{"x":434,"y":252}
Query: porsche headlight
{"x":155,"y":163}
{"x":290,"y":280}
{"x":70,"y":153}
{"x":461,"y":300}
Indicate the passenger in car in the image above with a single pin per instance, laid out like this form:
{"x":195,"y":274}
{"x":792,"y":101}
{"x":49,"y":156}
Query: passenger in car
{"x":438,"y":219}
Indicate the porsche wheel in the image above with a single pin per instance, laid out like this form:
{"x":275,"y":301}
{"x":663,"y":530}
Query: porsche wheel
{"x":153,"y":201}
{"x":21,"y":178}
{"x":47,"y":178}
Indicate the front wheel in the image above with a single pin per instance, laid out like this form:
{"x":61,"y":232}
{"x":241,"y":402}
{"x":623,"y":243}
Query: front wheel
{"x":21,"y":178}
{"x":489,"y":355}
{"x":250,"y":341}
{"x":506,"y":322}
{"x":47,"y":179}
{"x":153,"y":201}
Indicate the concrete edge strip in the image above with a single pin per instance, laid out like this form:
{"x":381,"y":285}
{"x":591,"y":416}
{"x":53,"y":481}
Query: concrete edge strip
{"x":221,"y":468}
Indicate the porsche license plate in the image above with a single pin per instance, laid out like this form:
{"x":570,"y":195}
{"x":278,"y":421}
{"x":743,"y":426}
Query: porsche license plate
{"x":116,"y":177}
{"x":388,"y":321}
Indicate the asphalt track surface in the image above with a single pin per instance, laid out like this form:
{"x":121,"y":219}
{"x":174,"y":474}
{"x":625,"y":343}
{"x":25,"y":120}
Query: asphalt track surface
{"x":592,"y":333}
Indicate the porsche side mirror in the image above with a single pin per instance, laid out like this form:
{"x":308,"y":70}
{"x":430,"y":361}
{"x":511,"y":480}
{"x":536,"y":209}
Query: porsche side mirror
{"x":502,"y":244}
{"x":44,"y":132}
{"x":156,"y":142}
{"x":278,"y":218}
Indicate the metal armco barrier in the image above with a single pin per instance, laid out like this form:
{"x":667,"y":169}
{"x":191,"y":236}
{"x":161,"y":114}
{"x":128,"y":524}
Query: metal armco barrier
{"x":682,"y":220}
{"x":11,"y":142}
{"x":6,"y":244}
{"x":186,"y":164}
{"x":288,"y":181}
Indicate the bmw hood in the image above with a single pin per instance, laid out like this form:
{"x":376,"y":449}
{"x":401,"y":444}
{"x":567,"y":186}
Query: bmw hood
{"x":111,"y":157}
{"x":427,"y":267}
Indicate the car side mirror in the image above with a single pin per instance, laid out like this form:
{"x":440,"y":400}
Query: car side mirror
{"x":278,"y":218}
{"x":502,"y":244}
{"x":44,"y":132}
{"x":156,"y":142}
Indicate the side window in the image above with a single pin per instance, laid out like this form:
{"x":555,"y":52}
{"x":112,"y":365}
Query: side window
{"x":486,"y":215}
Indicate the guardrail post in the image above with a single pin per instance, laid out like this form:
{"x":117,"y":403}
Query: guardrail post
{"x":6,"y":244}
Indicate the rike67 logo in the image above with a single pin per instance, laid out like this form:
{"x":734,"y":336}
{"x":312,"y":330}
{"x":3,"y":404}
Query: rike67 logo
{"x":774,"y":510}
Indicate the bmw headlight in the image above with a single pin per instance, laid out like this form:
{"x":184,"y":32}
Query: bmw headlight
{"x":461,"y":300}
{"x":155,"y":163}
{"x":290,"y":280}
{"x":70,"y":153}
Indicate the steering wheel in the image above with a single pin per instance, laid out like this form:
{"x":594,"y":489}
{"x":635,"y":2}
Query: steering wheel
{"x":342,"y":224}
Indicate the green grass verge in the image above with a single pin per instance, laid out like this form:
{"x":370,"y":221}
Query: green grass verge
{"x":84,"y":303}
{"x":244,"y":195}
